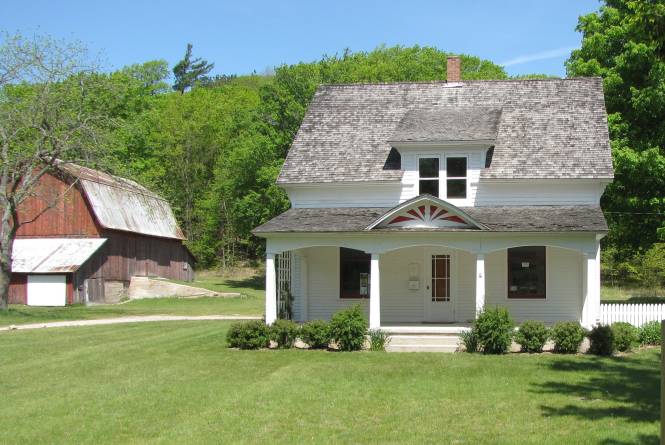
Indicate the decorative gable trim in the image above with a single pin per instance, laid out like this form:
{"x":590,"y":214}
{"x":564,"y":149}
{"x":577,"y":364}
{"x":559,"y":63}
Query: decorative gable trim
{"x":426,"y":212}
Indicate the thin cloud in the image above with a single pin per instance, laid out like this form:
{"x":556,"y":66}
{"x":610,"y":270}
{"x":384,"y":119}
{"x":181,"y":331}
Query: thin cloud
{"x":543,"y":55}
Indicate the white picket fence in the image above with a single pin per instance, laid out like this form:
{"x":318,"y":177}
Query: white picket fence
{"x":635,"y":314}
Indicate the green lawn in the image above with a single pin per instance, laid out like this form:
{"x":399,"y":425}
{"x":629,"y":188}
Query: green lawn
{"x":627,"y":294}
{"x":251,"y":302}
{"x":158,"y":383}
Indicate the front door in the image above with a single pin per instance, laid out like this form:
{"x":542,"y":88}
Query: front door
{"x":439,"y":298}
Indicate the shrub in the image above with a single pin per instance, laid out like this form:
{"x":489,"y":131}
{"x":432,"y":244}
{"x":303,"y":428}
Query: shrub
{"x":650,"y":333}
{"x":494,"y":329}
{"x":284,"y":332}
{"x":470,"y":340}
{"x":532,"y":336}
{"x":348,"y":328}
{"x":625,"y":336}
{"x":248,"y":335}
{"x":378,"y":340}
{"x":567,"y":337}
{"x":602,"y":340}
{"x":316,"y":334}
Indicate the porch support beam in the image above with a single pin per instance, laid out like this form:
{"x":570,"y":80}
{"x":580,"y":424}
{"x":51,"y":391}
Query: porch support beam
{"x":480,"y":282}
{"x":271,"y":289}
{"x":591,"y":307}
{"x":374,"y":293}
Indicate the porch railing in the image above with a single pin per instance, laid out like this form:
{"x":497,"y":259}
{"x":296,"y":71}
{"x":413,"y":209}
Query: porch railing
{"x":635,"y":314}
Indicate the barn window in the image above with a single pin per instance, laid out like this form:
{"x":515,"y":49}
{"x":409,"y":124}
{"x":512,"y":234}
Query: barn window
{"x":353,"y":273}
{"x":527,"y":272}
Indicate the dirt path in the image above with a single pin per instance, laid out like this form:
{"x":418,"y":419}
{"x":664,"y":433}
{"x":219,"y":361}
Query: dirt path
{"x":129,"y":319}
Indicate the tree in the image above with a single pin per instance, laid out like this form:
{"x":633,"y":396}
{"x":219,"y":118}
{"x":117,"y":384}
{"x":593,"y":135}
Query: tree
{"x":187,"y":72}
{"x":47,"y":90}
{"x":623,"y":43}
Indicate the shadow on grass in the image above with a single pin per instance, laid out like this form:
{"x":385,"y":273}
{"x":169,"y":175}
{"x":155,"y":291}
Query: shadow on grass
{"x":643,"y":439}
{"x":256,"y":282}
{"x":638,"y":299}
{"x":630,"y":384}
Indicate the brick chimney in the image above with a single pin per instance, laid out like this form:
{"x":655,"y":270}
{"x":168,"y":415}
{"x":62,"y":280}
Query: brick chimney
{"x":454,"y":69}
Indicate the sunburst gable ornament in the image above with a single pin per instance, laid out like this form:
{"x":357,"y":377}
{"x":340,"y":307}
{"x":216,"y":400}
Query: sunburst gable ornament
{"x":427,"y":216}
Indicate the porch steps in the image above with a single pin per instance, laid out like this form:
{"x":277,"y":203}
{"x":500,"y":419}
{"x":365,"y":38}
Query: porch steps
{"x":423,"y":343}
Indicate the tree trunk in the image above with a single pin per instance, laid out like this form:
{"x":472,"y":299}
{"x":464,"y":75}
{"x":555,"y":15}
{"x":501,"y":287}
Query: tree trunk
{"x":5,"y":272}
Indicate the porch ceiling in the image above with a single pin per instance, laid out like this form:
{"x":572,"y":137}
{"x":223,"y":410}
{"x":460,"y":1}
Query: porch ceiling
{"x":495,"y":219}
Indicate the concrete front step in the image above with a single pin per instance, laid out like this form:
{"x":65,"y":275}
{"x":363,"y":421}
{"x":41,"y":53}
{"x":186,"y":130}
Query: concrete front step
{"x":421,"y":348}
{"x":423,"y":343}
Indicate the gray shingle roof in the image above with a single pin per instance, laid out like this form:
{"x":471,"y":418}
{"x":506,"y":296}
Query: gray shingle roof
{"x":448,"y":124}
{"x":497,"y":219}
{"x":555,"y":128}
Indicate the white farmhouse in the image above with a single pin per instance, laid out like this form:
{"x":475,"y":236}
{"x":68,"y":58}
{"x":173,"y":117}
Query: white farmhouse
{"x":426,"y":201}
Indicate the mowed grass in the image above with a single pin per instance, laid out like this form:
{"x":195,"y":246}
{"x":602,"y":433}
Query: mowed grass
{"x":627,"y":294}
{"x":163,"y":383}
{"x":250,"y":302}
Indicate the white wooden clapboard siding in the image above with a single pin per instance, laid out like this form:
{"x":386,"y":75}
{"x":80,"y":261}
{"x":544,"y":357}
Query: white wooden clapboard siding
{"x":564,"y":288}
{"x":635,"y":314}
{"x":398,"y":303}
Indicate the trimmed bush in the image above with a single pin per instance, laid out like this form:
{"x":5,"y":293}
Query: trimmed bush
{"x":494,"y":329}
{"x":650,"y":333}
{"x":316,"y":334}
{"x":378,"y":340}
{"x":470,"y":340}
{"x":532,"y":336}
{"x":625,"y":336}
{"x":284,"y":332}
{"x":248,"y":335}
{"x":348,"y":328}
{"x":567,"y":337}
{"x":602,"y":340}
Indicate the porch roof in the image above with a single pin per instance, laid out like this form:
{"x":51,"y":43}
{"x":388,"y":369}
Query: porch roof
{"x":581,"y":218}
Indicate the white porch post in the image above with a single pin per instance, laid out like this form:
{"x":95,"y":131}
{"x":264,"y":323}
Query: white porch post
{"x":480,"y":282}
{"x":374,"y":293}
{"x":271,"y":289}
{"x":591,"y":308}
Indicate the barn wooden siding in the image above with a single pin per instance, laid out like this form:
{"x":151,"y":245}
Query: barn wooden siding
{"x":71,"y":215}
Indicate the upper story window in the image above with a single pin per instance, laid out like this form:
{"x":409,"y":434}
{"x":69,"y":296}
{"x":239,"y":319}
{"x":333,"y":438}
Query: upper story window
{"x":428,"y":176}
{"x":456,"y":177}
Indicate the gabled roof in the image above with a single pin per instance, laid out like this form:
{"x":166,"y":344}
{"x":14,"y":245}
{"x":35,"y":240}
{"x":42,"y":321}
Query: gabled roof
{"x":547,"y":129}
{"x":448,"y":124}
{"x":426,"y":212}
{"x":581,"y":218}
{"x":122,"y":204}
{"x":52,"y":255}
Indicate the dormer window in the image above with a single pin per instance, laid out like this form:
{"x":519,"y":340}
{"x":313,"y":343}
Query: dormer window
{"x":456,"y":177}
{"x":428,"y":176}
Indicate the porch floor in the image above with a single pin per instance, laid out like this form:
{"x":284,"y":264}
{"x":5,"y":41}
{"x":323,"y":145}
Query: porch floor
{"x":426,"y":328}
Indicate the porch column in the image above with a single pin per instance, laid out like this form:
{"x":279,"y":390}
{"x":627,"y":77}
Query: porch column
{"x":271,"y":289}
{"x":374,"y":293}
{"x":480,"y":282}
{"x":591,"y":307}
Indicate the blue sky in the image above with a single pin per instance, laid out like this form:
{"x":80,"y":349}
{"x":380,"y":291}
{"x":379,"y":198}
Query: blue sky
{"x":528,"y":36}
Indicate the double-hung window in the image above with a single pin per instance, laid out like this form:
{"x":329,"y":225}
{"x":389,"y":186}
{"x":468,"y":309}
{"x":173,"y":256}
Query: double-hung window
{"x":527,"y":272}
{"x":353,"y":273}
{"x":456,"y":177}
{"x":428,"y":176}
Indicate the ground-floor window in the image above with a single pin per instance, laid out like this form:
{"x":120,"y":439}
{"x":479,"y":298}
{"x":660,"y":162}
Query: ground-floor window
{"x":353,"y":273}
{"x":527,"y":272}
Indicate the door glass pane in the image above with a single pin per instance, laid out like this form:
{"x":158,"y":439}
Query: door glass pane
{"x":429,"y":187}
{"x":456,"y":188}
{"x":456,"y":167}
{"x":428,"y":167}
{"x":440,"y":277}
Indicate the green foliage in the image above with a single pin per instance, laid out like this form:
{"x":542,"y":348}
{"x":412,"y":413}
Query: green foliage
{"x":187,"y":72}
{"x":494,"y":329}
{"x":470,"y":340}
{"x":378,"y":340}
{"x":623,"y":44}
{"x":602,"y":340}
{"x":532,"y":336}
{"x":567,"y":337}
{"x":625,"y":336}
{"x":316,"y":334}
{"x":650,"y":333}
{"x":284,"y":333}
{"x":248,"y":335}
{"x":348,"y":328}
{"x":652,"y":268}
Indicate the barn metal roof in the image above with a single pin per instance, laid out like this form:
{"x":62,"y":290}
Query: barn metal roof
{"x":52,"y":255}
{"x":122,"y":204}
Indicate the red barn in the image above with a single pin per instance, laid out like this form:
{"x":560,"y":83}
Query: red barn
{"x":86,"y":233}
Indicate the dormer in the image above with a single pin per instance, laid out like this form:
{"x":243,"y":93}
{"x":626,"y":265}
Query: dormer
{"x":444,"y":149}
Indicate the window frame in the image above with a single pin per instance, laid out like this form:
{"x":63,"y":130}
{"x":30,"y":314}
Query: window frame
{"x":513,"y":295}
{"x":465,"y":178}
{"x":437,"y":178}
{"x":352,"y":296}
